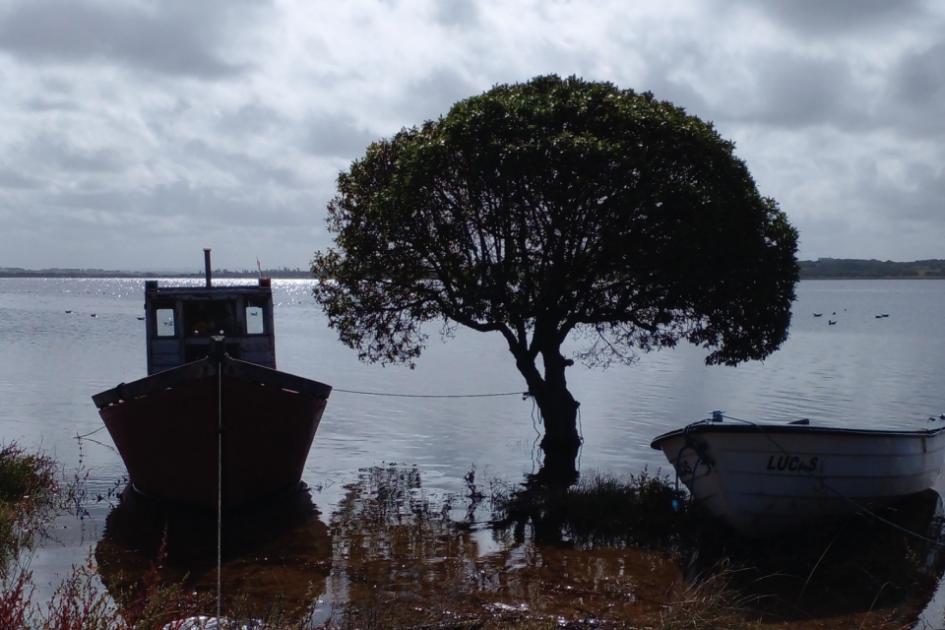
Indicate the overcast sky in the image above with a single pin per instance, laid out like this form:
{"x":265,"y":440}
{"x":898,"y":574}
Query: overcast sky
{"x":134,"y":133}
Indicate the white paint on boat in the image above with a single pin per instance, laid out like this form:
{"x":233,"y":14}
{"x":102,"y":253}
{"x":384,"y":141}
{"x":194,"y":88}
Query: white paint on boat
{"x":765,"y":478}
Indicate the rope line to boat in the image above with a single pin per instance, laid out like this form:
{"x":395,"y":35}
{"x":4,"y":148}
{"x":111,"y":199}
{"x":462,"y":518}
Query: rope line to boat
{"x":862,"y":508}
{"x":85,"y":435}
{"x":80,"y":438}
{"x":219,"y":487}
{"x":524,"y":395}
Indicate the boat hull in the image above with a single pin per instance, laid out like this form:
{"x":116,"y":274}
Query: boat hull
{"x":765,"y":479}
{"x":166,"y":429}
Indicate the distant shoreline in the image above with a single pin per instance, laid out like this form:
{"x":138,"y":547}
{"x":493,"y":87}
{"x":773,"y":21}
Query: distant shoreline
{"x":854,"y":269}
{"x":917,"y":277}
{"x":145,"y":275}
{"x":820,"y":269}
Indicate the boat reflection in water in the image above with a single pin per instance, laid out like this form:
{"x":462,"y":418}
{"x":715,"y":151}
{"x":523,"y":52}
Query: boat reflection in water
{"x":275,"y":557}
{"x":876,"y":569}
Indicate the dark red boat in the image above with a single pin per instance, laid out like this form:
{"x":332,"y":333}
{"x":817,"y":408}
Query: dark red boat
{"x":213,"y":401}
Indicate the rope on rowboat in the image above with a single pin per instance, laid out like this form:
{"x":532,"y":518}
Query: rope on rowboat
{"x":524,"y":395}
{"x":862,"y":508}
{"x":700,"y":459}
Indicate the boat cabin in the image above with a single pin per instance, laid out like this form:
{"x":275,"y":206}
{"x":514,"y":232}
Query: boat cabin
{"x":181,"y":321}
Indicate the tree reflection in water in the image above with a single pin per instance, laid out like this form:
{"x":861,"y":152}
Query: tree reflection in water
{"x":399,"y":560}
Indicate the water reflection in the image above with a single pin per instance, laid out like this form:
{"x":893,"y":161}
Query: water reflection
{"x":275,"y":557}
{"x":396,"y":544}
{"x":400,"y":560}
{"x":874,"y":570}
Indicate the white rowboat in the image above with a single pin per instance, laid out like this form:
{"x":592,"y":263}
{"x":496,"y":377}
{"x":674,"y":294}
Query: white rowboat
{"x":766,"y":478}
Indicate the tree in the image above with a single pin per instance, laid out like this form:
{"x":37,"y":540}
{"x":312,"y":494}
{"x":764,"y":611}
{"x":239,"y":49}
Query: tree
{"x":554,"y":207}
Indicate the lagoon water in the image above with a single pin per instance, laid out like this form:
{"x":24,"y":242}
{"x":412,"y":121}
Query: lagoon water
{"x":862,"y":371}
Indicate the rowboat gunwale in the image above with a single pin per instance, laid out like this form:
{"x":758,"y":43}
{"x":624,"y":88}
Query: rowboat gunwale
{"x":710,"y":426}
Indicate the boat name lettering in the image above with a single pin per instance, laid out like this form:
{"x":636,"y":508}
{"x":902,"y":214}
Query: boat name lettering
{"x":792,"y":463}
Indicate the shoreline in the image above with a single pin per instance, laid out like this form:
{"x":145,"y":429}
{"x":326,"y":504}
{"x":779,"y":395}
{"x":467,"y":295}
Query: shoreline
{"x":305,"y":275}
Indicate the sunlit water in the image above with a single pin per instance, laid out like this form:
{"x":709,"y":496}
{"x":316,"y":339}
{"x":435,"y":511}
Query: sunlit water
{"x":862,"y":371}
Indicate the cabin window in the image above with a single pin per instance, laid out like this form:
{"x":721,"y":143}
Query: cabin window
{"x":164,"y":318}
{"x":205,"y":318}
{"x":255,"y":322}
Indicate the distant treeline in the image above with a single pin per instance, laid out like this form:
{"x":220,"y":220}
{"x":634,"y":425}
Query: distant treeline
{"x":821,"y":268}
{"x":855,"y":268}
{"x":16,"y":272}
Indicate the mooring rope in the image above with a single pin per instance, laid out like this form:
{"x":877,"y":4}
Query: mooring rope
{"x":219,"y":487}
{"x":85,"y":435}
{"x":524,"y":395}
{"x":862,"y":508}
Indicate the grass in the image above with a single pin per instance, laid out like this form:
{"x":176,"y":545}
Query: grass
{"x":711,"y":602}
{"x":28,"y":490}
{"x":641,"y":510}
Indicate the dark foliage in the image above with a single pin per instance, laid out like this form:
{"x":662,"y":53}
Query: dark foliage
{"x":552,"y":206}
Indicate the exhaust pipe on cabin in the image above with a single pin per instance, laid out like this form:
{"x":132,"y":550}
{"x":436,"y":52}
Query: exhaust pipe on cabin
{"x":206,"y":264}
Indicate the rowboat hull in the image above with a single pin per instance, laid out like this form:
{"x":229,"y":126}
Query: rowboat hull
{"x":166,"y":426}
{"x":764,"y":479}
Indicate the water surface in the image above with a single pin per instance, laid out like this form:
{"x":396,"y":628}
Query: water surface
{"x":862,"y":371}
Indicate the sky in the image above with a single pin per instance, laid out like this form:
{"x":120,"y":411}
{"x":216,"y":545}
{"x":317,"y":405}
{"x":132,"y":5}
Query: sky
{"x":134,"y":133}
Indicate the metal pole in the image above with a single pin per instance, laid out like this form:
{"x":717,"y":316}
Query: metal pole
{"x":206,"y":264}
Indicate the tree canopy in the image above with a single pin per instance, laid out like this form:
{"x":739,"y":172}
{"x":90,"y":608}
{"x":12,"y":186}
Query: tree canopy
{"x":557,"y":205}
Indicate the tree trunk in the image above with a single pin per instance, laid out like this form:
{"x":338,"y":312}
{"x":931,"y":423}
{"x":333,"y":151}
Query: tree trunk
{"x":558,"y":408}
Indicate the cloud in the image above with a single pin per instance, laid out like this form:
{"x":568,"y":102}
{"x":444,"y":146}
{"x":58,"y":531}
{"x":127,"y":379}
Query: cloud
{"x":336,"y":135}
{"x":10,"y":178}
{"x":790,"y":90}
{"x":816,"y":17}
{"x":457,"y":13}
{"x":431,"y":96}
{"x":174,"y":37}
{"x":916,"y":100}
{"x":137,"y":131}
{"x":252,"y":118}
{"x":61,"y":154}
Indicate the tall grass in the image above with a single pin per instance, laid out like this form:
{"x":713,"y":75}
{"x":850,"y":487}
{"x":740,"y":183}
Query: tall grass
{"x":28,"y":490}
{"x":641,"y":510}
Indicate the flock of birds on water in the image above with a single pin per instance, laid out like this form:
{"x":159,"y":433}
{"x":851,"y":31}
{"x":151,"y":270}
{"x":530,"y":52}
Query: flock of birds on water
{"x":70,"y":312}
{"x":833,"y":322}
{"x":830,"y":322}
